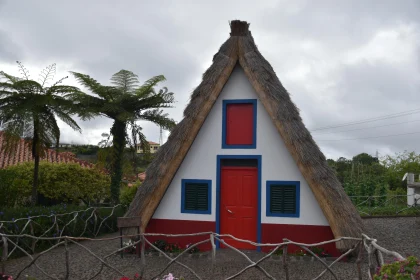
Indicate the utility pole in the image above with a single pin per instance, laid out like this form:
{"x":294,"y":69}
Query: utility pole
{"x":161,"y":137}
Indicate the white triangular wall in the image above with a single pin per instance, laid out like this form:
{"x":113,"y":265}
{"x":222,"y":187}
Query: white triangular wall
{"x":277,"y":163}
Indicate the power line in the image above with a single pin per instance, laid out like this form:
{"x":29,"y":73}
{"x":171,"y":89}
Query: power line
{"x":370,"y":137}
{"x":384,"y":117}
{"x":326,"y":132}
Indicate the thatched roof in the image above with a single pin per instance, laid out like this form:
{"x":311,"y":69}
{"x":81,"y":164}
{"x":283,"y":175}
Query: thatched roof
{"x":240,"y":48}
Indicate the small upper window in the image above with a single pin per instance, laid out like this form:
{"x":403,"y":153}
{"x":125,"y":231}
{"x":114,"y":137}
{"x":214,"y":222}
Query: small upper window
{"x":283,"y":198}
{"x":239,"y":124}
{"x":196,"y":196}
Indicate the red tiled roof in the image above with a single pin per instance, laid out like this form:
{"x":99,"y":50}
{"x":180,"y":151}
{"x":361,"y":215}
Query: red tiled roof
{"x":150,"y":143}
{"x":23,"y":153}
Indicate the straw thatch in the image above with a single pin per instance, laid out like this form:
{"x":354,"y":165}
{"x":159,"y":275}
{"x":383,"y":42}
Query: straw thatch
{"x":240,"y":48}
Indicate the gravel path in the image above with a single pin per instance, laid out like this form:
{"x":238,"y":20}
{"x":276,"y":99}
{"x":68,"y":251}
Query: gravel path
{"x":398,"y":234}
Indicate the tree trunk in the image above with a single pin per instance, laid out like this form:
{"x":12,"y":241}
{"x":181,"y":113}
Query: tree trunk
{"x":118,"y":131}
{"x":35,"y":155}
{"x":35,"y":182}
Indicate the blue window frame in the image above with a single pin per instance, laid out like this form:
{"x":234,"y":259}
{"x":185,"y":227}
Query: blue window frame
{"x":224,"y":126}
{"x":196,"y":196}
{"x":283,"y":199}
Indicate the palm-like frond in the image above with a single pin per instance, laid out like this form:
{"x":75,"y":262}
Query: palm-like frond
{"x":26,"y":106}
{"x":147,"y":88}
{"x":66,"y":118}
{"x":95,"y":87}
{"x":47,"y":74}
{"x":158,"y":117}
{"x":62,"y":89}
{"x":126,"y":81}
{"x":23,"y":70}
{"x":10,"y":78}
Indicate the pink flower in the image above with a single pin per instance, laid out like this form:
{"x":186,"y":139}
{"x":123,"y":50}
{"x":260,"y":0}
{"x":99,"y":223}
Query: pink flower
{"x":169,"y":277}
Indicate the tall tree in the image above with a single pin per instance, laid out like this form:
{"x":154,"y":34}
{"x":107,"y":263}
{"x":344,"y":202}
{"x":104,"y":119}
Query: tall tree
{"x":28,"y":109}
{"x":125,"y":102}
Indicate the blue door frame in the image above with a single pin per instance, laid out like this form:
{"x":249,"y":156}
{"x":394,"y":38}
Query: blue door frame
{"x":218,"y":174}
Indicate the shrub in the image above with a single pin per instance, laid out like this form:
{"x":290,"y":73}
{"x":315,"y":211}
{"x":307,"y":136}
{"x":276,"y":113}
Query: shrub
{"x":9,"y":194}
{"x":160,"y":244}
{"x":127,"y":194}
{"x":400,"y":270}
{"x":63,"y":182}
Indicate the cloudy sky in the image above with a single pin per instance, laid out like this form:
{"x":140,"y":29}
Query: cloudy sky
{"x":342,"y":61}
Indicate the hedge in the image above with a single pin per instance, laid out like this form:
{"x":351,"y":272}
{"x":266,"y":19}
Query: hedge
{"x":63,"y":182}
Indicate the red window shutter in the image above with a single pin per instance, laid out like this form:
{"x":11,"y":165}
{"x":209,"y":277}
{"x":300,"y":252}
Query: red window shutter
{"x":240,"y":124}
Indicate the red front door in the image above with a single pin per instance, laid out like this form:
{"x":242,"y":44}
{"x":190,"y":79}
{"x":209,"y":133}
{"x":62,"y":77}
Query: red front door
{"x":238,"y":205}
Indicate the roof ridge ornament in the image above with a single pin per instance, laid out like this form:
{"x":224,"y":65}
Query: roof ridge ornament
{"x":239,"y":28}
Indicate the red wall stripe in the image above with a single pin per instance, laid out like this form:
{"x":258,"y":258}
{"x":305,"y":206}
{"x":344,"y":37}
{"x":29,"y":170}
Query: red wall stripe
{"x":271,"y":233}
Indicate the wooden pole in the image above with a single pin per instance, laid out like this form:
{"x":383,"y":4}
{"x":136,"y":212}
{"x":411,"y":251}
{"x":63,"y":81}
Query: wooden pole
{"x":5,"y":253}
{"x":143,"y":255}
{"x":286,"y":269}
{"x":359,"y":259}
{"x":67,"y":260}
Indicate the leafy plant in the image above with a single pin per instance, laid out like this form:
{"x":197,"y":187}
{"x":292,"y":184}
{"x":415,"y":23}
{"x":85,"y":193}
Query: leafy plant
{"x":173,"y":248}
{"x":131,"y":249}
{"x":62,"y":182}
{"x":193,"y":250}
{"x":300,"y":253}
{"x":408,"y":269}
{"x":128,"y":193}
{"x":160,"y":244}
{"x":29,"y":108}
{"x":125,"y":102}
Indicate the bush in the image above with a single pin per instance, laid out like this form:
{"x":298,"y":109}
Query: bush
{"x":400,"y":270}
{"x":63,"y":182}
{"x":127,"y":194}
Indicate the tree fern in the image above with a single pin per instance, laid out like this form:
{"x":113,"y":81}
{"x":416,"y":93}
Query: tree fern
{"x":125,"y":102}
{"x":29,"y":109}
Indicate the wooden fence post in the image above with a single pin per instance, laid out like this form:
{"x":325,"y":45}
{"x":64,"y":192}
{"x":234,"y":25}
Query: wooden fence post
{"x":5,"y":253}
{"x":213,"y":253}
{"x":359,"y":259}
{"x":286,"y":269}
{"x":67,"y":260}
{"x":143,"y":255}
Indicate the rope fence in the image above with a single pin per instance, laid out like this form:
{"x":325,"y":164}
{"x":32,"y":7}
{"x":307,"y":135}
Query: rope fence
{"x":362,"y":246}
{"x":87,"y":222}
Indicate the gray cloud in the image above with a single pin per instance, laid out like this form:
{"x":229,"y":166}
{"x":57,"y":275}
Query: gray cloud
{"x":341,"y":60}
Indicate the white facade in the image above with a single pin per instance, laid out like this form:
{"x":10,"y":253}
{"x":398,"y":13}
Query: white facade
{"x":277,"y":162}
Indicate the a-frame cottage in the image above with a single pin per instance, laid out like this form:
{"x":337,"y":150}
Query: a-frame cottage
{"x":242,"y":162}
